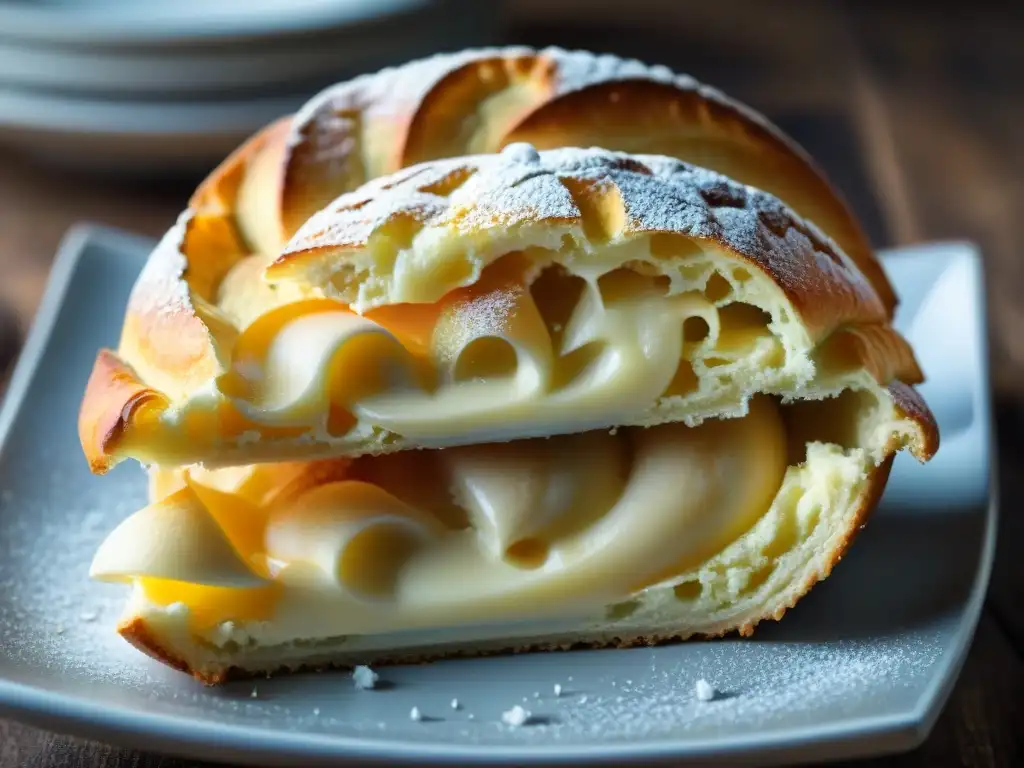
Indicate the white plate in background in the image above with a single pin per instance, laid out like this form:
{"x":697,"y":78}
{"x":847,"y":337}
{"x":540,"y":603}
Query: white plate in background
{"x":399,"y":32}
{"x":174,"y":22}
{"x":140,"y":138}
{"x":130,"y":111}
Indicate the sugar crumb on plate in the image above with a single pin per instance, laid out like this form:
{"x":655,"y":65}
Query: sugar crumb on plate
{"x":704,"y":690}
{"x":365,"y":679}
{"x":516,"y":716}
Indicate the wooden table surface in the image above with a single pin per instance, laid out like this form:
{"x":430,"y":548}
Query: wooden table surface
{"x":916,"y":114}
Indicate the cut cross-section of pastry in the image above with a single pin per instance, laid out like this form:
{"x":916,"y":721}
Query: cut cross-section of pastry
{"x":484,"y":299}
{"x":637,"y":536}
{"x":654,"y":395}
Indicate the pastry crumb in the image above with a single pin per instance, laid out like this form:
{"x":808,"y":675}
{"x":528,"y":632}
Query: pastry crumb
{"x":364,"y":678}
{"x":516,"y":716}
{"x":704,"y":690}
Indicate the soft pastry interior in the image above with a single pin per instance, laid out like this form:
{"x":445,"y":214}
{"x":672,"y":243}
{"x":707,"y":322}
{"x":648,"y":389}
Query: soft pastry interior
{"x":633,"y":535}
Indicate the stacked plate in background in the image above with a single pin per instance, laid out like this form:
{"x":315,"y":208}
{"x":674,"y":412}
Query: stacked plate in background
{"x":171,"y":86}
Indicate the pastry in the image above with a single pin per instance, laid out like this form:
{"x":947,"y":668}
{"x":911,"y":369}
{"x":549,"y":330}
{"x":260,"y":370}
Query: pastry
{"x":521,"y":400}
{"x":172,"y":392}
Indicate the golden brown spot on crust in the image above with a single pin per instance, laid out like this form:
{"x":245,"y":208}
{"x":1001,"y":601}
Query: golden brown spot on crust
{"x":219,"y":191}
{"x":449,"y":115}
{"x":449,"y":182}
{"x":912,"y":406}
{"x":112,"y":396}
{"x":325,"y":162}
{"x":601,"y":207}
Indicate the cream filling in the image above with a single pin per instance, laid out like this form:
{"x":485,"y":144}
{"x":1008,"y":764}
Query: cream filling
{"x":552,"y":528}
{"x":492,"y":364}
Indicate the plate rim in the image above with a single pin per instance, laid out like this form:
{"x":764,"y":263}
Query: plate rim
{"x":859,"y":737}
{"x":91,"y":28}
{"x":85,"y":114}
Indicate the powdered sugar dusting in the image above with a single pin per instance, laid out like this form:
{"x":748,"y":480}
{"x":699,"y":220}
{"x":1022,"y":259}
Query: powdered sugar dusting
{"x":790,"y":680}
{"x":51,"y":614}
{"x":519,"y":187}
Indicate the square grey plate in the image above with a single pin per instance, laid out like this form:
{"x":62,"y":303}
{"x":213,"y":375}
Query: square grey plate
{"x":862,"y":666}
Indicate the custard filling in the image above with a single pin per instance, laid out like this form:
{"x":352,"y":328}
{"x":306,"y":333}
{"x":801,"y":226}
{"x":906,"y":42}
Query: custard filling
{"x":529,"y":530}
{"x":531,"y":347}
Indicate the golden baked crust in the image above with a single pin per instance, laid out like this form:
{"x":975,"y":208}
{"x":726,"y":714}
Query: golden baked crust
{"x":138,"y":631}
{"x":180,"y":326}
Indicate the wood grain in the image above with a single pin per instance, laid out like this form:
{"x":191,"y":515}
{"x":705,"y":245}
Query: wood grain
{"x":937,"y":112}
{"x":914,"y":113}
{"x":939,"y":108}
